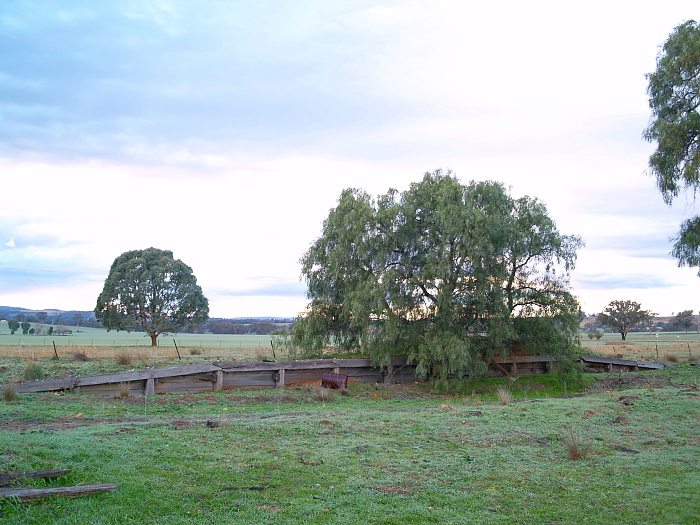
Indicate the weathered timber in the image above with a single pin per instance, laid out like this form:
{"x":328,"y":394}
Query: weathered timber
{"x":48,"y":385}
{"x":208,"y":377}
{"x":7,"y":478}
{"x":663,"y":365}
{"x":617,"y":365}
{"x":27,"y":494}
{"x":522,"y":359}
{"x":304,"y":364}
{"x":501,"y":368}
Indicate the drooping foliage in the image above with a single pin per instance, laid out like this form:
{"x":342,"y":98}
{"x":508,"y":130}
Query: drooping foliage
{"x":674,"y":98}
{"x":150,"y":289}
{"x":445,"y":273}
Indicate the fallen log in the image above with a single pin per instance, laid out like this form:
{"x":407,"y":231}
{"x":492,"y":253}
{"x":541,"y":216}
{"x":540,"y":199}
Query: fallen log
{"x":27,"y":494}
{"x":6,"y":478}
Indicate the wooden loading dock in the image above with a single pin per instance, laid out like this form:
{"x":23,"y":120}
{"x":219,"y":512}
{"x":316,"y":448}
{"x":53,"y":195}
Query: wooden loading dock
{"x":211,"y":377}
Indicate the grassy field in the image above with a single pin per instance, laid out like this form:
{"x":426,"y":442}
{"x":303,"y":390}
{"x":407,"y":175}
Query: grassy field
{"x":625,"y":453}
{"x":667,"y":346}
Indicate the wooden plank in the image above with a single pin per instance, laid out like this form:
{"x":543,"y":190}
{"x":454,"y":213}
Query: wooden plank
{"x":522,"y":359}
{"x":6,"y":478}
{"x":499,"y":367}
{"x":622,"y":362}
{"x":48,"y":385}
{"x":248,"y":380}
{"x":661,"y":364}
{"x":26,"y":494}
{"x":306,"y":364}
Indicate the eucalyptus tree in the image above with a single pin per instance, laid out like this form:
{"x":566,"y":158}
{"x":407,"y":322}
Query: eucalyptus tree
{"x":674,"y":98}
{"x":151,"y":290}
{"x":444,"y":272}
{"x":622,"y":316}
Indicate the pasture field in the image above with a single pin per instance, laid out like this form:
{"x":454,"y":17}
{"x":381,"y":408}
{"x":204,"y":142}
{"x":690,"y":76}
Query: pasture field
{"x":627,"y":452}
{"x":666,"y":346}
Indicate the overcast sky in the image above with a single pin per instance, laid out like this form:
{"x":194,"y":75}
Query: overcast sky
{"x":224,"y":131}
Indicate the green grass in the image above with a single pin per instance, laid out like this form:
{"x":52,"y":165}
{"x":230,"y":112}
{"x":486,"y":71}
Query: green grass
{"x":376,"y":455}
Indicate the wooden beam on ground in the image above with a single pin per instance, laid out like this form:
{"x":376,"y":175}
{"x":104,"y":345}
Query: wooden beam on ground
{"x":27,"y":494}
{"x":6,"y":478}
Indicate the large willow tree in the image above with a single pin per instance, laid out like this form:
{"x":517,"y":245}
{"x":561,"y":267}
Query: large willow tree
{"x":446,"y":273}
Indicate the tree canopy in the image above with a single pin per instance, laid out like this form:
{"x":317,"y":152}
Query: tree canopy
{"x":623,"y":315}
{"x":674,"y":98}
{"x":446,"y":273}
{"x":684,"y":320}
{"x":150,"y":289}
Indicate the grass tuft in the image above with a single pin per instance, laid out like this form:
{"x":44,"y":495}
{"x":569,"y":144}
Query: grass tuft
{"x":124,"y":390}
{"x":576,"y":445}
{"x":325,"y":395}
{"x":9,"y":392}
{"x":505,"y":395}
{"x":80,"y":356}
{"x":33,"y":371}
{"x":124,"y":358}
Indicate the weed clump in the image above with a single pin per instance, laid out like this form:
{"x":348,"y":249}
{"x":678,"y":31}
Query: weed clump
{"x":505,"y":395}
{"x":576,"y":446}
{"x":33,"y":371}
{"x":80,"y":356}
{"x":124,"y":390}
{"x":124,"y":358}
{"x":9,"y":392}
{"x":325,"y":395}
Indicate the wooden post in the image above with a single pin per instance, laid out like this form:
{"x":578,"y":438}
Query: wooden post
{"x":219,"y":383}
{"x":279,"y":379}
{"x":388,"y":374}
{"x":336,"y":370}
{"x":150,"y":386}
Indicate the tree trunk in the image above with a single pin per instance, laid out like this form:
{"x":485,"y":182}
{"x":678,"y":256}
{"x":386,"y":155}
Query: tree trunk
{"x":154,"y":338}
{"x":624,"y":335}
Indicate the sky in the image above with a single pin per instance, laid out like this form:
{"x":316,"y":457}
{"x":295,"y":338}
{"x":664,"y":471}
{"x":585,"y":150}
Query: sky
{"x":225,"y":131}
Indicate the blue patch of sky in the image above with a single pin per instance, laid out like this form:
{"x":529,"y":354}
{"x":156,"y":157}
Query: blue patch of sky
{"x":104,"y":79}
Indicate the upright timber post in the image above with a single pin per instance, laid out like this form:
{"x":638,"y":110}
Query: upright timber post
{"x":388,"y":374}
{"x":279,"y":378}
{"x":219,"y":383}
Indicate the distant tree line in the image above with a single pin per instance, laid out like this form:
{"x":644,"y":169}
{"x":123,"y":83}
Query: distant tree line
{"x":683,"y":321}
{"x":245,"y":326}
